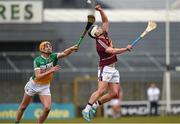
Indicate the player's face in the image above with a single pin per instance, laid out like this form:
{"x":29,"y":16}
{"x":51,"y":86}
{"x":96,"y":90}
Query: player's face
{"x":153,"y":85}
{"x":48,"y":48}
{"x":99,"y":31}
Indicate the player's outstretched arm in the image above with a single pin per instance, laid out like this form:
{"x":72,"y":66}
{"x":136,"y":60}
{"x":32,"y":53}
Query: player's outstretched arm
{"x":105,"y":21}
{"x":67,"y":51}
{"x":40,"y":75}
{"x":118,"y":50}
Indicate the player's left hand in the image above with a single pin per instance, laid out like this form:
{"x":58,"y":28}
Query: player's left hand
{"x":75,"y":48}
{"x":98,"y":7}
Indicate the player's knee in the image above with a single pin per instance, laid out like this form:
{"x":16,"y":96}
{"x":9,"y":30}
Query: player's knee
{"x":22,"y":107}
{"x":47,"y":108}
{"x":115,"y":94}
{"x":99,"y":92}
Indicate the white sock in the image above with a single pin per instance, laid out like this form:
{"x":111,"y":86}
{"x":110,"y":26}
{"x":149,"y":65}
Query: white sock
{"x":87,"y":108}
{"x":96,"y":105}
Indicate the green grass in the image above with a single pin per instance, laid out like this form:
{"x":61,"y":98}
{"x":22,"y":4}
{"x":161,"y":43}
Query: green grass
{"x":131,"y":119}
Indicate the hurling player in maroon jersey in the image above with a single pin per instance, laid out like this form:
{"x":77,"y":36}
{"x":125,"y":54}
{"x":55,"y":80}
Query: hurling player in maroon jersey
{"x":108,"y":75}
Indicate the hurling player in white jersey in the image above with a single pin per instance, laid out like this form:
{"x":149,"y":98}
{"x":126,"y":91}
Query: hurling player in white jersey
{"x":44,"y":68}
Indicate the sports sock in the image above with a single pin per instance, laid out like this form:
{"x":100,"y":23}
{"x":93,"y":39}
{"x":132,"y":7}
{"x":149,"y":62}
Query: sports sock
{"x":88,"y":107}
{"x":96,"y":104}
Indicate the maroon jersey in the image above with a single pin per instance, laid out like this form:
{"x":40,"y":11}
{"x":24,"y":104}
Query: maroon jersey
{"x":101,"y":45}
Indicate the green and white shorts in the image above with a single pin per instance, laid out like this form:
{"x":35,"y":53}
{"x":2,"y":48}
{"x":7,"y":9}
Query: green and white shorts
{"x":33,"y":88}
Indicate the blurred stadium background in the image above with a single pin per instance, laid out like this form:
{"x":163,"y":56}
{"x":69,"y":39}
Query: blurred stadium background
{"x":24,"y":23}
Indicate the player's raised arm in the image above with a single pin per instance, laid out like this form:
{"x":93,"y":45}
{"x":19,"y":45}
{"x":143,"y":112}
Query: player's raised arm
{"x":67,"y":51}
{"x":118,"y":50}
{"x":105,"y":21}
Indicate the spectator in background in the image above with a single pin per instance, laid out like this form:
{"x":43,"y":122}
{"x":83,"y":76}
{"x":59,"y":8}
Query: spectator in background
{"x":153,"y":93}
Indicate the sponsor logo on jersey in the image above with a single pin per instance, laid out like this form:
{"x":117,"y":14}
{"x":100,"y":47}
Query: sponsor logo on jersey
{"x":47,"y":66}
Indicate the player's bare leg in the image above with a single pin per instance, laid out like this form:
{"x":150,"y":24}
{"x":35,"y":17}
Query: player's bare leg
{"x":99,"y":92}
{"x":46,"y":101}
{"x":114,"y":93}
{"x":25,"y":102}
{"x":114,"y":89}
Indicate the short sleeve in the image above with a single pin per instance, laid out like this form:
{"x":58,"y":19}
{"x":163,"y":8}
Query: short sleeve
{"x":54,"y":55}
{"x":55,"y":58}
{"x":36,"y":64}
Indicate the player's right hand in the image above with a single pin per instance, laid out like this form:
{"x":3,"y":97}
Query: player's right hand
{"x":55,"y":68}
{"x":129,"y":47}
{"x":98,"y":8}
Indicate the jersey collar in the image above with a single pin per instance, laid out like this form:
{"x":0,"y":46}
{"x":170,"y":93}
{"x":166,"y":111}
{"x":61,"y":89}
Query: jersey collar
{"x":44,"y":57}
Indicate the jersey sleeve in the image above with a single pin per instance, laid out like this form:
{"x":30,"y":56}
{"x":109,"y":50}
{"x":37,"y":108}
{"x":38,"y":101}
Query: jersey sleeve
{"x":55,"y":58}
{"x":54,"y":55}
{"x":36,"y":64}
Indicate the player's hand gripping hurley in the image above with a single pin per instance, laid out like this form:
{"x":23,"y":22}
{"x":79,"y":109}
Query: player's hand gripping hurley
{"x":150,"y":27}
{"x":91,"y":20}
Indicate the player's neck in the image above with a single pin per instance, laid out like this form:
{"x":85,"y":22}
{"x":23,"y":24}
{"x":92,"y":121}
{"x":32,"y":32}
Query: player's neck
{"x":101,"y":36}
{"x":44,"y":55}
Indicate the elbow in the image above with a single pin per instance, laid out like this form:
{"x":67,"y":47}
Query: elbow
{"x":111,"y":51}
{"x":106,"y":21}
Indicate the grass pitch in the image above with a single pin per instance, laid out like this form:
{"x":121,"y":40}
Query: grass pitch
{"x":131,"y":119}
